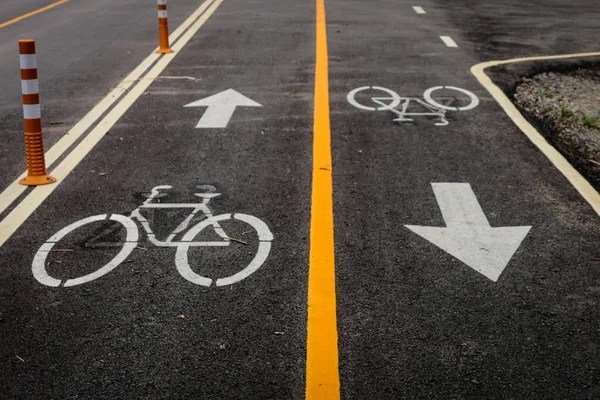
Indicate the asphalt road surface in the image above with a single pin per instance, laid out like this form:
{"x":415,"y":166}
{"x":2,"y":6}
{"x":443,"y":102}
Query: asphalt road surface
{"x":306,"y":200}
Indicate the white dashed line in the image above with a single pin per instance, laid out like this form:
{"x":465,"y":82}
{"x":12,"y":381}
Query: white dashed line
{"x":419,"y":10}
{"x":448,"y":41}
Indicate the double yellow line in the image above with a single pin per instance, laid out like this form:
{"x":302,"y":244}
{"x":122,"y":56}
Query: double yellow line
{"x":322,"y":374}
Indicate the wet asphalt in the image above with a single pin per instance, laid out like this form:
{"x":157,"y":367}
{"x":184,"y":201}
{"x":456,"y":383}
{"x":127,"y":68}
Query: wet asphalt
{"x":413,"y":322}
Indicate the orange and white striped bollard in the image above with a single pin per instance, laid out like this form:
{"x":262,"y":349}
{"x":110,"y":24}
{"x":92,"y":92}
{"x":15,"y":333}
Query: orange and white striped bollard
{"x":163,"y":28}
{"x":34,"y":142}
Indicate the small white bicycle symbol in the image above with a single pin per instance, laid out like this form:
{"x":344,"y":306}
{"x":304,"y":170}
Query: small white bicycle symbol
{"x":391,"y":100}
{"x":181,"y":259}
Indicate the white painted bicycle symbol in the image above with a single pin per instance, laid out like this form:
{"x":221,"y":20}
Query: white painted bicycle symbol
{"x":392,"y":101}
{"x":264,"y":236}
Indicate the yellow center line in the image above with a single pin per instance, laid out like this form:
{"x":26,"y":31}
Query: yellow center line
{"x":22,"y":17}
{"x":322,"y":375}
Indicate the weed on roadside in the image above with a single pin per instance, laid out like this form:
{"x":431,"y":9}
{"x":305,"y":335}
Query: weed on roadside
{"x":592,"y":122}
{"x":565,"y":113}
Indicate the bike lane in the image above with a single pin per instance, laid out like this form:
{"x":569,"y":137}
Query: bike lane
{"x":77,"y":43}
{"x":413,"y":321}
{"x":142,"y":330}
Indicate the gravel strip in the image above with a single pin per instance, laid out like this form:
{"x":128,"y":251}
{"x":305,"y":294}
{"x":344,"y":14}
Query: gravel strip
{"x":567,"y":107}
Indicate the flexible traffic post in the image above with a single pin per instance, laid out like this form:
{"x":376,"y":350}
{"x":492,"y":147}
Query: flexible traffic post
{"x":163,"y":28}
{"x":34,"y":142}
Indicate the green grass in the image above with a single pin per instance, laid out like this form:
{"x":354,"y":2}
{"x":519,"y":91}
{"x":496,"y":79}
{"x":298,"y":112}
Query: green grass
{"x":566,"y":113}
{"x":591,"y":122}
{"x":547,"y":95}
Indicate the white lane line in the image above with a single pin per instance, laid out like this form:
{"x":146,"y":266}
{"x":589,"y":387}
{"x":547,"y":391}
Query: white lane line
{"x":584,"y":188}
{"x":419,"y":10}
{"x":21,"y":212}
{"x":14,"y":190}
{"x":448,"y":41}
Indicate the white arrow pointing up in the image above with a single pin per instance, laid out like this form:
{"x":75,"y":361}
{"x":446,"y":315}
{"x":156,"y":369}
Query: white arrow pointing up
{"x":221,"y":107}
{"x":468,"y":235}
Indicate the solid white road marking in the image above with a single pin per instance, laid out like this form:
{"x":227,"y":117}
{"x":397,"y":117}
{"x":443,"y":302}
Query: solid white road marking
{"x":448,"y":41}
{"x":468,"y":235}
{"x":573,"y":176}
{"x":419,"y":10}
{"x":14,"y":190}
{"x":21,"y":212}
{"x":221,"y":107}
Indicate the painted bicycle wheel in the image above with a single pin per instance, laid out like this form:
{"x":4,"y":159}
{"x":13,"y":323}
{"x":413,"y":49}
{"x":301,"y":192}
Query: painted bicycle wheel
{"x":39,"y":265}
{"x":473,"y":100}
{"x":259,"y":229}
{"x":389,"y":101}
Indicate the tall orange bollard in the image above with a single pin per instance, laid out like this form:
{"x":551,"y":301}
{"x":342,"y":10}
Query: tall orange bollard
{"x":34,"y":142}
{"x":163,"y":28}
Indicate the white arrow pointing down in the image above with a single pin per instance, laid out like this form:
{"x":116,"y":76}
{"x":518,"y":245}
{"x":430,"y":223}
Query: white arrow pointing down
{"x":221,"y":107}
{"x":468,"y":235}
